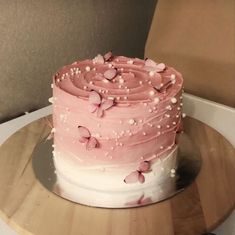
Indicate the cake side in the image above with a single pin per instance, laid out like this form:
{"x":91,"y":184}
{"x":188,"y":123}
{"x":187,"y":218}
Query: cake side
{"x":115,"y":124}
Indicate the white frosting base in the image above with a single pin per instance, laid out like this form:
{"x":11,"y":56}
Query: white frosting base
{"x":104,"y":186}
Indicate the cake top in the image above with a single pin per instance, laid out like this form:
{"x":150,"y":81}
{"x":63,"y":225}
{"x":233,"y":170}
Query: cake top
{"x":125,"y":81}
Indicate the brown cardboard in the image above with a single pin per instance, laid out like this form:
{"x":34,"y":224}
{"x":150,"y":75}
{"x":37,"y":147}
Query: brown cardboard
{"x":197,"y":38}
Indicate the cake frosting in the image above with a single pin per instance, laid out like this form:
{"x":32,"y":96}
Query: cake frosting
{"x":115,"y":125}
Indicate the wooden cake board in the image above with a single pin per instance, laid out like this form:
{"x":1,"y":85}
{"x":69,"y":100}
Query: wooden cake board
{"x":32,"y":210}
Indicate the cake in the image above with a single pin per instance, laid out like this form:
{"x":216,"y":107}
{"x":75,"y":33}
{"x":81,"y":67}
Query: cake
{"x":115,"y":123}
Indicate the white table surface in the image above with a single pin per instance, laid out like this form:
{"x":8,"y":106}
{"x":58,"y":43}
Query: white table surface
{"x":220,"y":117}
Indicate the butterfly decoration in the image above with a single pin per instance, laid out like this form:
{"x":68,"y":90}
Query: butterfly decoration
{"x":98,"y":104}
{"x":99,"y":59}
{"x":85,"y":137}
{"x":137,"y":176}
{"x":151,"y":65}
{"x":142,"y":200}
{"x":110,"y":74}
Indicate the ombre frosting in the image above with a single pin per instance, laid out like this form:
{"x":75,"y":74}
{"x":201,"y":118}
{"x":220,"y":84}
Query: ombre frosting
{"x":114,"y":119}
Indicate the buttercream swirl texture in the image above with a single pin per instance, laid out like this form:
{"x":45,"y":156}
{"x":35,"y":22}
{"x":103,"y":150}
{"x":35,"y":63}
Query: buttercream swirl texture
{"x":115,"y":112}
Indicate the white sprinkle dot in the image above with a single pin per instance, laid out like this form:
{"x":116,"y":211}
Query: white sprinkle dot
{"x":130,"y":62}
{"x":85,"y":87}
{"x":177,"y":116}
{"x":183,"y":115}
{"x":156,"y":100}
{"x":181,"y":104}
{"x":151,"y":73}
{"x":167,"y":115}
{"x":167,"y":126}
{"x":121,"y":80}
{"x":88,"y":68}
{"x":140,"y":82}
{"x":181,"y":97}
{"x":50,"y":100}
{"x":145,"y":104}
{"x":159,"y":126}
{"x":174,"y":123}
{"x":173,"y":171}
{"x":172,"y":175}
{"x":125,"y":97}
{"x":91,"y":82}
{"x":52,"y":85}
{"x":150,"y":110}
{"x":144,"y":133}
{"x":110,"y":65}
{"x":151,"y":93}
{"x":168,"y":107}
{"x":161,"y":147}
{"x":131,"y":121}
{"x":178,"y":108}
{"x":173,"y":100}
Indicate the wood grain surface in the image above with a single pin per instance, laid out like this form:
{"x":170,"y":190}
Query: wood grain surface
{"x":32,"y":210}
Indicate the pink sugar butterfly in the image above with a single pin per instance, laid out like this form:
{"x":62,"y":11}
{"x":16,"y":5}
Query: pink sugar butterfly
{"x":99,"y":105}
{"x":151,"y":65}
{"x":99,"y":59}
{"x":85,"y":137}
{"x":137,"y":176}
{"x":110,"y":73}
{"x":108,"y":56}
{"x":142,"y":200}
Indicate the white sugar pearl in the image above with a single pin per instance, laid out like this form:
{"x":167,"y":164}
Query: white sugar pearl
{"x":167,"y":115}
{"x":167,"y":126}
{"x":117,"y":98}
{"x":91,"y":82}
{"x":121,"y":80}
{"x":174,"y":123}
{"x":161,"y":147}
{"x":172,"y":76}
{"x":181,"y":97}
{"x":144,"y":133}
{"x":173,"y":100}
{"x":85,"y":87}
{"x":52,"y":85}
{"x":51,"y":100}
{"x":150,"y":110}
{"x":131,"y":121}
{"x":172,"y":175}
{"x":156,"y":100}
{"x":125,"y":97}
{"x":130,"y":62}
{"x":173,"y":171}
{"x":140,"y":82}
{"x":158,"y":126}
{"x":168,"y":107}
{"x":178,"y":108}
{"x":110,"y":65}
{"x":151,"y":93}
{"x":151,"y":73}
{"x":88,"y":68}
{"x":181,"y":104}
{"x":183,"y":115}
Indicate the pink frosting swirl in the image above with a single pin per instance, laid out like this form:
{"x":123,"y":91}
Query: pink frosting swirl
{"x":142,"y":124}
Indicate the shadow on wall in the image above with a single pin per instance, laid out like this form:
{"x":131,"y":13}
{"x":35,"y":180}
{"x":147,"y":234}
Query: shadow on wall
{"x":38,"y":37}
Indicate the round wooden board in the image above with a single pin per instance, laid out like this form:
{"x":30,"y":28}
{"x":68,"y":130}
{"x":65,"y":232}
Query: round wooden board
{"x":30,"y":209}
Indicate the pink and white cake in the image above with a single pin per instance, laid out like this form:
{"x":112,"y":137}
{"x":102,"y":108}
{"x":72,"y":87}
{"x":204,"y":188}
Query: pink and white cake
{"x":115,"y":125}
